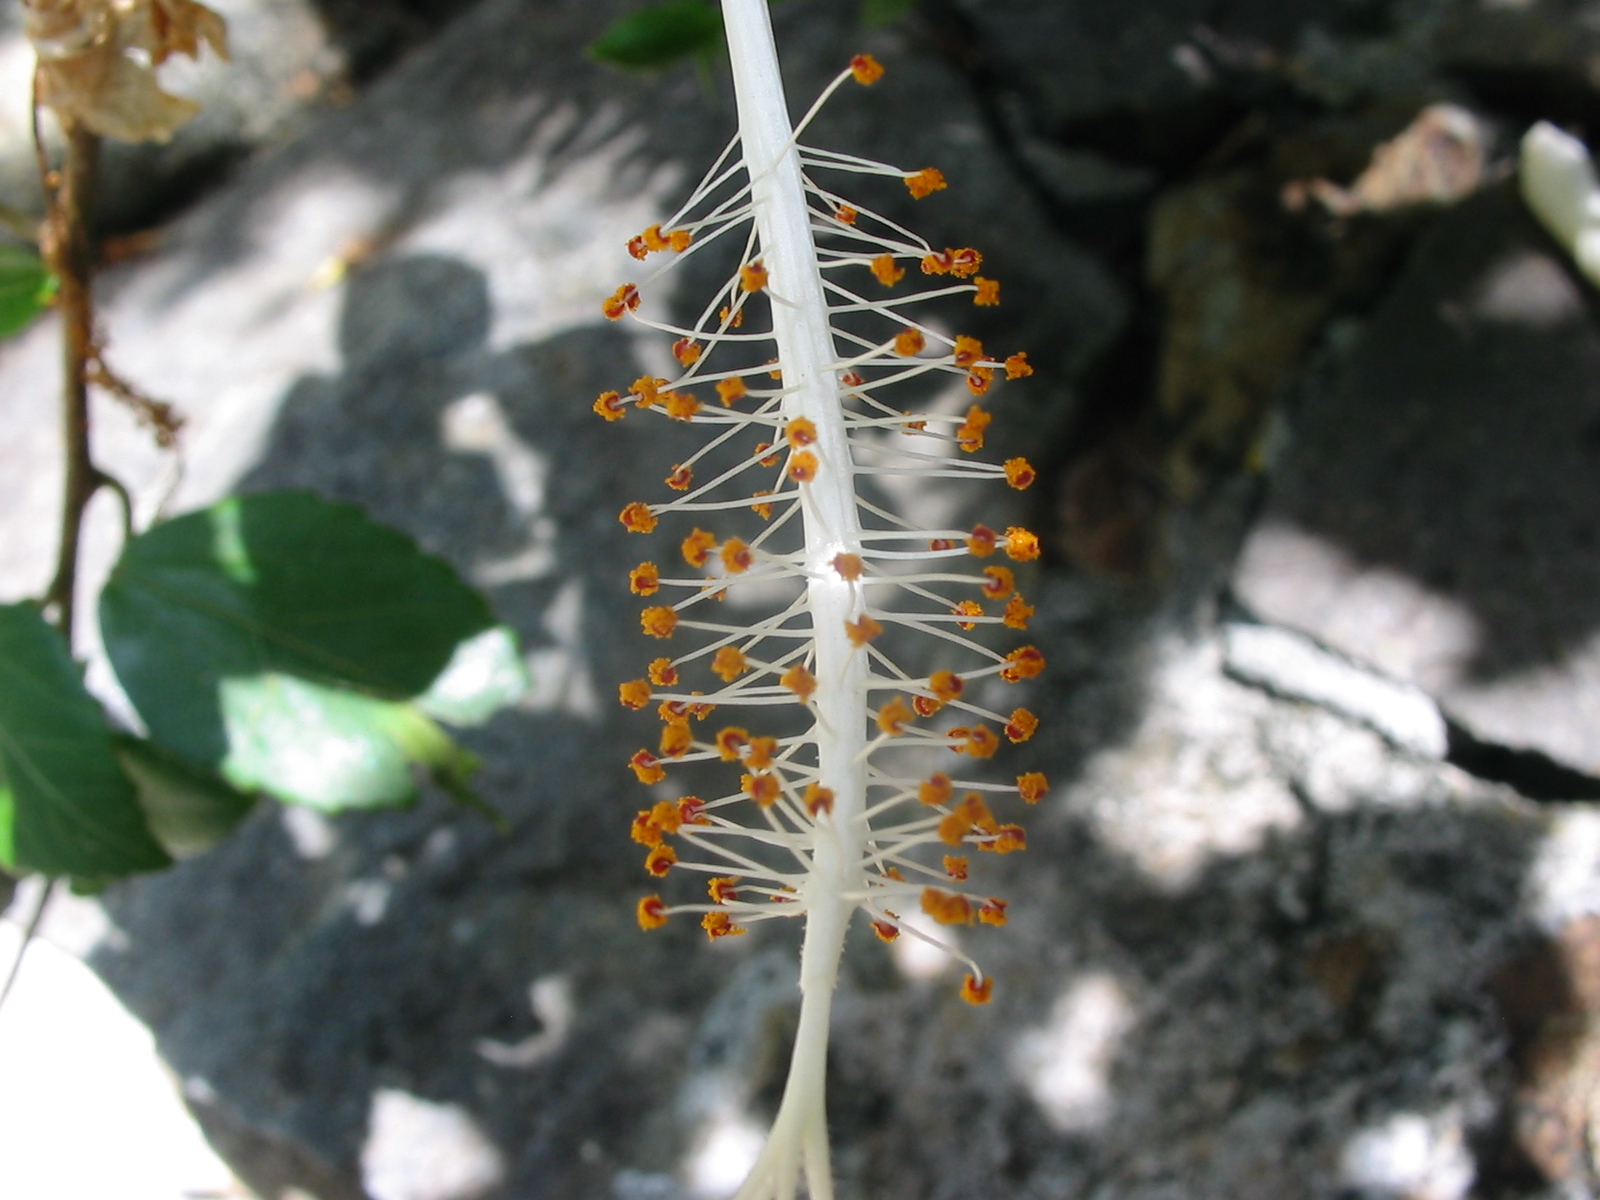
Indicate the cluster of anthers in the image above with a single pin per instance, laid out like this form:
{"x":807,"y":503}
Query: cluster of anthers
{"x":760,"y":845}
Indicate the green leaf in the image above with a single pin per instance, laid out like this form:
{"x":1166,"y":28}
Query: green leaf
{"x":66,"y":808}
{"x":660,"y":35}
{"x":188,"y":809}
{"x":330,"y":749}
{"x":26,"y":288}
{"x":485,"y":674}
{"x":279,"y":640}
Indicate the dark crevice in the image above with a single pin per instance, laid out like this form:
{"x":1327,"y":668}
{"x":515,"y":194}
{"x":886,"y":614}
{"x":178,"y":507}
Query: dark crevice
{"x":1532,"y":773}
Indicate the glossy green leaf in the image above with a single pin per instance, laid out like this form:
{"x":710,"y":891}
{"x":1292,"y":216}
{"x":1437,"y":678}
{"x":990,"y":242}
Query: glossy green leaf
{"x":66,"y":807}
{"x":188,"y":809}
{"x":26,"y":288}
{"x":279,"y":640}
{"x":660,"y":35}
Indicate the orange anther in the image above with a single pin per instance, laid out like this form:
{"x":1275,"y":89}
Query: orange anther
{"x":1021,"y":545}
{"x":846,"y":214}
{"x":964,"y":262}
{"x":1017,"y":613}
{"x":967,"y":351}
{"x":679,"y":239}
{"x":1022,"y":663}
{"x":1020,"y":473}
{"x":681,"y":478}
{"x":926,"y":706}
{"x":624,"y":299}
{"x":849,"y":567}
{"x":637,"y":518}
{"x":979,"y":380}
{"x":1017,"y":366}
{"x":763,"y":789}
{"x":659,"y":861}
{"x":770,"y":460}
{"x":983,"y":541}
{"x":1008,"y":840}
{"x":946,"y":685}
{"x":974,"y":991}
{"x":953,"y":829}
{"x":993,"y":911}
{"x":652,"y":912}
{"x":947,"y":908}
{"x":866,"y":69}
{"x":729,"y":664}
{"x":647,"y":389}
{"x":800,"y":681}
{"x":692,"y":811}
{"x":653,"y":240}
{"x":760,"y":752}
{"x":676,"y":740}
{"x":609,"y":406}
{"x":936,"y":789}
{"x":635,"y":693}
{"x":988,"y":292}
{"x":803,"y":467}
{"x":1032,"y":786}
{"x":925,"y":182}
{"x":731,"y":318}
{"x":1001,"y":582}
{"x":818,"y":799}
{"x":980,"y":742}
{"x":737,"y":557}
{"x":697,"y":547}
{"x":752,"y":277}
{"x":862,"y":630}
{"x":681,"y":406}
{"x":665,"y":815}
{"x":644,"y":829}
{"x":730,"y":390}
{"x":852,"y":378}
{"x":730,"y":741}
{"x":800,"y":433}
{"x":687,"y":351}
{"x":659,"y":621}
{"x":723,"y":888}
{"x":908,"y":343}
{"x":762,"y":509}
{"x":720,"y":925}
{"x":968,"y":608}
{"x":974,"y":809}
{"x":885,"y":272}
{"x":662,"y":673}
{"x":636,"y":246}
{"x":1022,"y":726}
{"x":775,"y":374}
{"x":938,"y":544}
{"x":885,"y":931}
{"x":645,"y":579}
{"x":895,"y":874}
{"x":893,"y":716}
{"x":955,"y":867}
{"x":936,"y":263}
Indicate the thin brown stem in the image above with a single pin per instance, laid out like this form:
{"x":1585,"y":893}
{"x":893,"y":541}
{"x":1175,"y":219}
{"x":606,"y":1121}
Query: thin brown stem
{"x":71,"y":255}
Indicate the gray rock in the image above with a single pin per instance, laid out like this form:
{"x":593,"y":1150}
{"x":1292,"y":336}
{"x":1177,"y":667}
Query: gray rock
{"x":1432,"y":512}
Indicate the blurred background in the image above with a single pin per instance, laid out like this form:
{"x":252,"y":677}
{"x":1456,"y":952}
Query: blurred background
{"x":1313,"y":908}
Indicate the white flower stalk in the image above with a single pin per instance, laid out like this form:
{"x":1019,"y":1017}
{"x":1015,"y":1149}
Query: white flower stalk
{"x":826,"y":820}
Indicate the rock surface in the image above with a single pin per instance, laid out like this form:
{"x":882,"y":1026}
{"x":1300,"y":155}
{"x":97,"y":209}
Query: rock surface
{"x":1266,"y":942}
